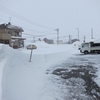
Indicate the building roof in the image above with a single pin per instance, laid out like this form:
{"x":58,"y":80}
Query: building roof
{"x":2,"y":26}
{"x":11,"y":27}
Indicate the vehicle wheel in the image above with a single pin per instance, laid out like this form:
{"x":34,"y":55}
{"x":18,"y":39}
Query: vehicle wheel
{"x":86,"y":52}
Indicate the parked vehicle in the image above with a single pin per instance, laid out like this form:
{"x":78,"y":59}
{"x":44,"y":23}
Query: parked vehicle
{"x":90,"y":47}
{"x":31,"y":46}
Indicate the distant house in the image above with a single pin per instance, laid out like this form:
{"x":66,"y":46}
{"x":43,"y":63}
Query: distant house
{"x":12,"y":35}
{"x":49,"y":41}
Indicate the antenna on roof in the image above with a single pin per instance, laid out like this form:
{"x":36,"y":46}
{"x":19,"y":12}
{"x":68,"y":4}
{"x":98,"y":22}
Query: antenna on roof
{"x":9,"y":21}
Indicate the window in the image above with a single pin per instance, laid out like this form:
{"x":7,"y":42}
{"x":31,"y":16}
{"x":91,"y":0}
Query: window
{"x":21,"y":43}
{"x":9,"y":32}
{"x":95,"y":44}
{"x":16,"y":33}
{"x":85,"y":45}
{"x":4,"y":41}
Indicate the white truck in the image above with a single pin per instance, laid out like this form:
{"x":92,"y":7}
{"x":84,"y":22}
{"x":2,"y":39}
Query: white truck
{"x":90,"y":47}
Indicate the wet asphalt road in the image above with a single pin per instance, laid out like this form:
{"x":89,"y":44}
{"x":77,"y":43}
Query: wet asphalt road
{"x":79,"y":73}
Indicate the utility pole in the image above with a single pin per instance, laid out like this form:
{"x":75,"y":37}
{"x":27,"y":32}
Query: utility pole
{"x":69,"y":39}
{"x":57,"y":36}
{"x":92,"y":33}
{"x":34,"y":39}
{"x":84,"y":39}
{"x":78,"y":33}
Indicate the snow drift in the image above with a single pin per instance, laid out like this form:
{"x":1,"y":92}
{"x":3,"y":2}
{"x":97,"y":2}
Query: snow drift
{"x":24,"y":80}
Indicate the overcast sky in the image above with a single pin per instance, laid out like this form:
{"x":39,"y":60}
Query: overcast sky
{"x":48,"y":15}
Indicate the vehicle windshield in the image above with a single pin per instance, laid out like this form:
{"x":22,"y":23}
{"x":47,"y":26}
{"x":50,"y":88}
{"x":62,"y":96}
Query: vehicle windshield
{"x":85,"y":44}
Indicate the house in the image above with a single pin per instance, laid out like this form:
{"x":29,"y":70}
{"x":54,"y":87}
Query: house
{"x":49,"y":41}
{"x":12,"y":35}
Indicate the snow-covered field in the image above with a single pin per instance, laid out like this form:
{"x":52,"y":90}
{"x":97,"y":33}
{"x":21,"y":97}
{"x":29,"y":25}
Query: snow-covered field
{"x":24,"y":80}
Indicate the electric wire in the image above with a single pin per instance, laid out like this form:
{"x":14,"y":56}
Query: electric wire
{"x":30,"y":28}
{"x":7,"y":11}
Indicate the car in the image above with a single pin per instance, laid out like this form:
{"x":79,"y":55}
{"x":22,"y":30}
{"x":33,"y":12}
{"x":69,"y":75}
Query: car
{"x":31,"y":46}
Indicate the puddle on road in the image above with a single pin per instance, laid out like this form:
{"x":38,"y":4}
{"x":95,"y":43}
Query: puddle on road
{"x":81,"y":80}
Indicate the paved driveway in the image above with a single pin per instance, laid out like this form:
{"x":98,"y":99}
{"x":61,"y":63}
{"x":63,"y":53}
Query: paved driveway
{"x":78,"y":73}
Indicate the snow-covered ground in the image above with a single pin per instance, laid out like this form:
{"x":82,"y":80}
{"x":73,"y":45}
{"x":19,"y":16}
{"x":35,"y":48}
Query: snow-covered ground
{"x":24,"y":80}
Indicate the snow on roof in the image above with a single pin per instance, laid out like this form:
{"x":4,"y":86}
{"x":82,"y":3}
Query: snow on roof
{"x":15,"y":27}
{"x":13,"y":37}
{"x":12,"y":27}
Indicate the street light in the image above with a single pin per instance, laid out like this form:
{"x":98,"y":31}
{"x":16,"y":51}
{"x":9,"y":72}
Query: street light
{"x":78,"y":32}
{"x":57,"y":35}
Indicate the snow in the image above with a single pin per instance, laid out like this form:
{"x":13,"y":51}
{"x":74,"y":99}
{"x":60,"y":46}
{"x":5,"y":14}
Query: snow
{"x":14,"y":27}
{"x":24,"y":80}
{"x":14,"y":37}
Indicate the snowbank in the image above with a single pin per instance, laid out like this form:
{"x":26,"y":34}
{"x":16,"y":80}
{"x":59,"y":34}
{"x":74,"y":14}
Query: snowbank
{"x":24,"y":80}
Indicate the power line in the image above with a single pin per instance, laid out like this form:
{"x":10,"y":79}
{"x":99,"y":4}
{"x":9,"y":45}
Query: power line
{"x":36,"y":30}
{"x":32,"y":35}
{"x":7,"y":11}
{"x":30,"y":28}
{"x":3,"y":20}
